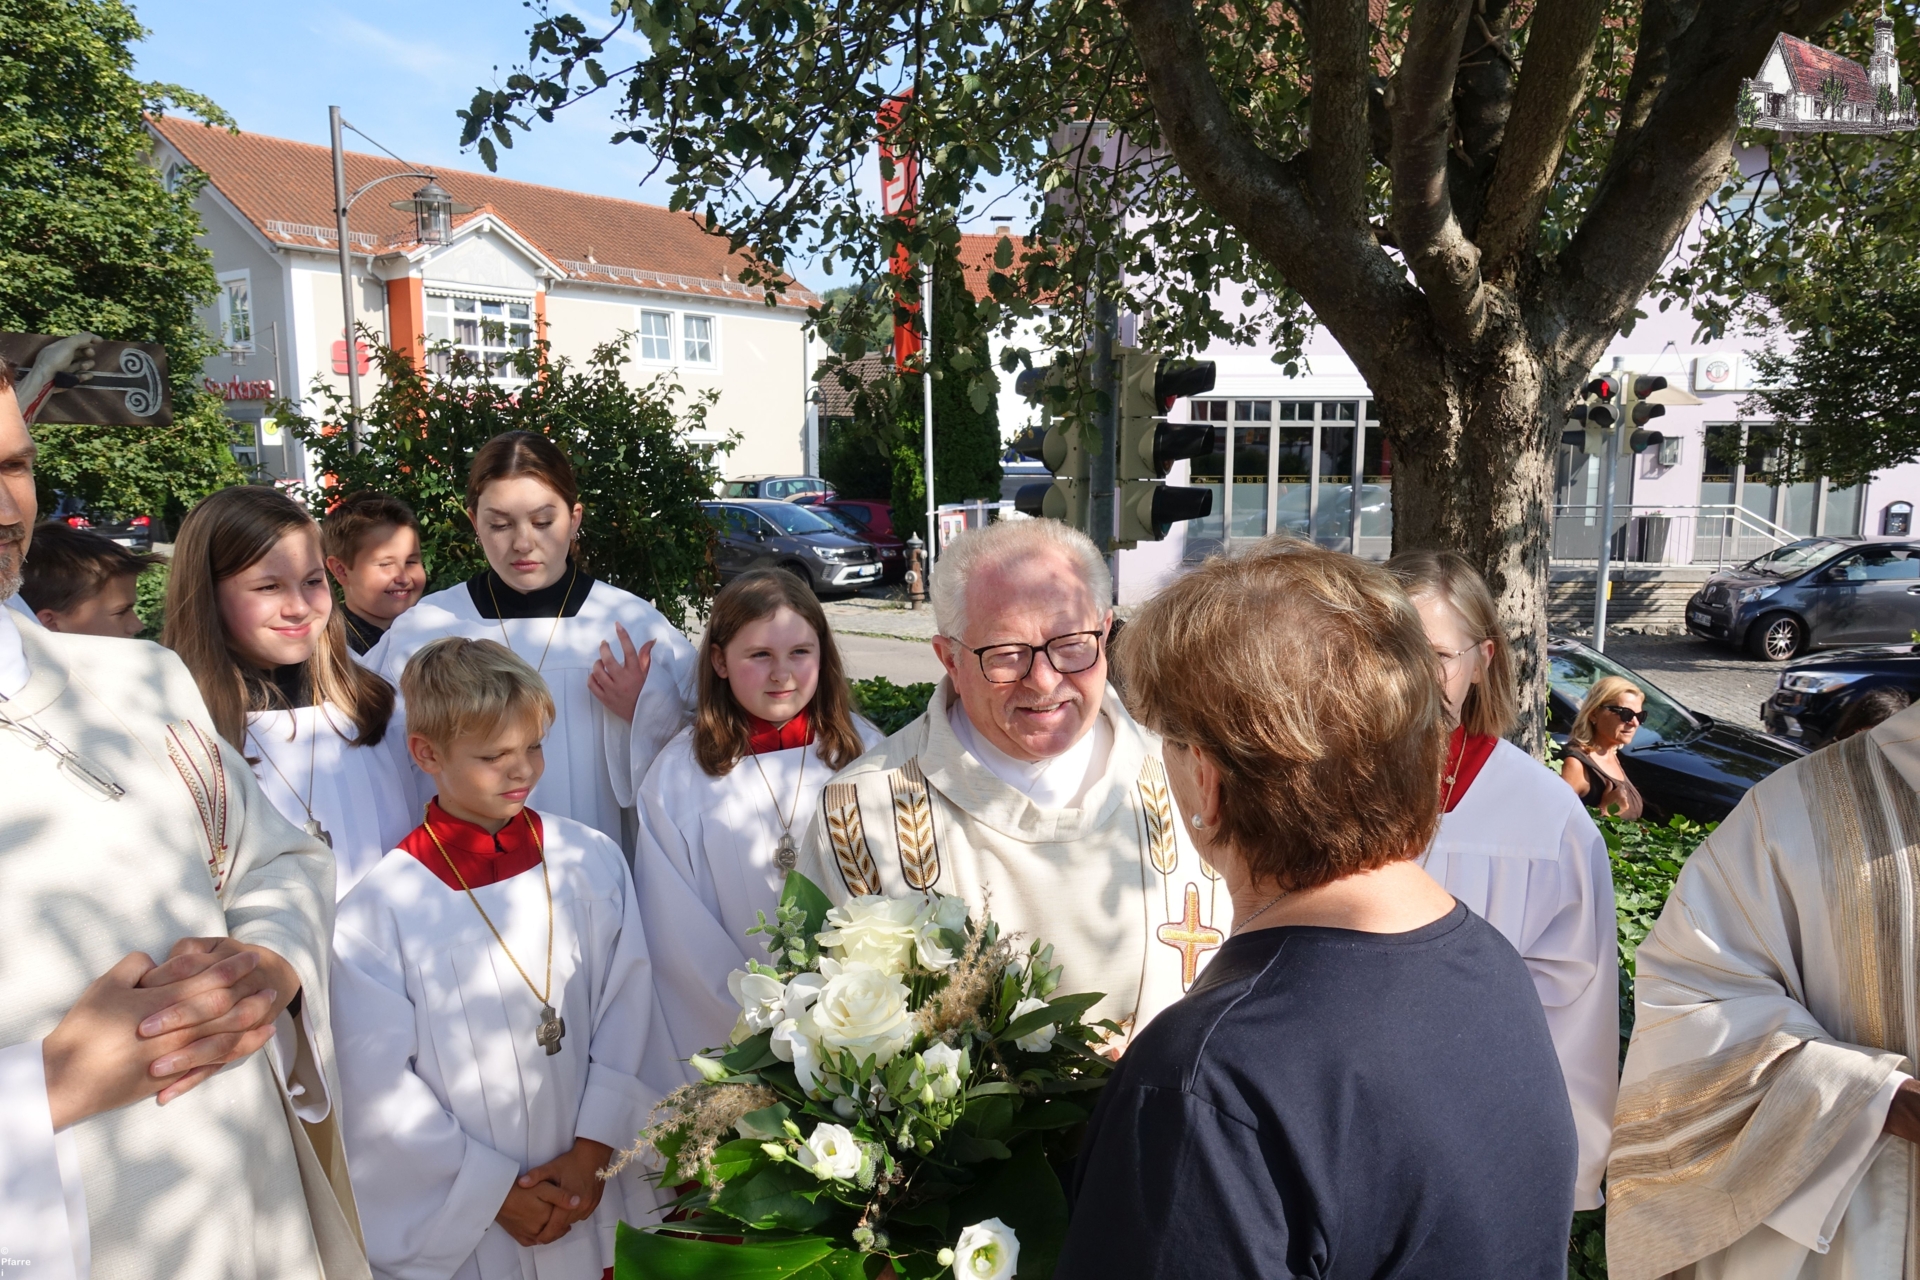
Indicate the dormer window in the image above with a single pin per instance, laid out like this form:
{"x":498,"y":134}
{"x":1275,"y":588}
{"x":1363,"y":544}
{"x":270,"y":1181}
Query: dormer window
{"x":489,"y":330}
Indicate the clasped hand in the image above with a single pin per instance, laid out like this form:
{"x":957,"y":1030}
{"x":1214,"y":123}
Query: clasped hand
{"x":143,"y":1030}
{"x":546,"y":1201}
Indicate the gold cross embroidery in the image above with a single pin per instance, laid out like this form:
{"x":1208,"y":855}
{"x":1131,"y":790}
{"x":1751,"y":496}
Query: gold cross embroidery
{"x":1190,"y":937}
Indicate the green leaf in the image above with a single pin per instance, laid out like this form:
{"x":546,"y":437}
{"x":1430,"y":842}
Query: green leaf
{"x":804,"y":893}
{"x":751,"y":1054}
{"x":780,"y":1197}
{"x":1025,"y":1193}
{"x":736,"y":1159}
{"x":764,"y":1125}
{"x":1049,"y":1115}
{"x":650,"y":1255}
{"x":1064,"y":1009}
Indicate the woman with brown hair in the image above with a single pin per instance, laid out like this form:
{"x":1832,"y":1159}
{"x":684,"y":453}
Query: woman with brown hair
{"x":727,"y":802}
{"x":1361,"y":1083}
{"x":250,"y":614}
{"x":593,"y":643}
{"x":1518,"y":849}
{"x":1610,"y":716}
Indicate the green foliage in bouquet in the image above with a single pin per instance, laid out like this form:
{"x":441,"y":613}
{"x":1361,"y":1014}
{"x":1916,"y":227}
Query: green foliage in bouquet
{"x":902,"y":1085}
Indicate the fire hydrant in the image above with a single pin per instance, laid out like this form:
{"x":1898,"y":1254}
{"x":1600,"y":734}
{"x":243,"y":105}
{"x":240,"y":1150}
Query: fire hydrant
{"x":916,"y":571}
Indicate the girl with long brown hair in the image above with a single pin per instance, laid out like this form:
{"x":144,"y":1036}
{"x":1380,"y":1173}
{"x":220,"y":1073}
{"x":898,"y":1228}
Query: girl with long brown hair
{"x":250,"y":614}
{"x":1518,"y":849}
{"x":621,"y":674}
{"x":724,"y":809}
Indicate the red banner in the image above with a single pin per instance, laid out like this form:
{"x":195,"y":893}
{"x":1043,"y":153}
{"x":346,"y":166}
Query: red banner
{"x":900,"y":198}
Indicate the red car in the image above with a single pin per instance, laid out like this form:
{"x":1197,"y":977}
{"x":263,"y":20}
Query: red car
{"x":869,"y":520}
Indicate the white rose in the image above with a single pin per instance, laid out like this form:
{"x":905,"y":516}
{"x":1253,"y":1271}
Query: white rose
{"x":986,"y":1251}
{"x":944,"y":1068}
{"x":1034,"y":1041}
{"x":944,"y":912}
{"x":872,"y":930}
{"x":832,"y":1152}
{"x":861,"y":1009}
{"x":763,"y":999}
{"x":793,"y":1042}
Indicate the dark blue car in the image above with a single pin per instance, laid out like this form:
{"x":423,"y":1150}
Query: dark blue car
{"x":1817,"y":593}
{"x":1816,"y":691}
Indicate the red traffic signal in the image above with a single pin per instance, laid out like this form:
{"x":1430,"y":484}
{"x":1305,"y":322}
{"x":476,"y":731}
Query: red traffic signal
{"x":1175,"y":379}
{"x":1601,"y":389}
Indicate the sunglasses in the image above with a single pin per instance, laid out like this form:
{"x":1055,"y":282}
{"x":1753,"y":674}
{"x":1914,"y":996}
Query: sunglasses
{"x":1627,"y":714}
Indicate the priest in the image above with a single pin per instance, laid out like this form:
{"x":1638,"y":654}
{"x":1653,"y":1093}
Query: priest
{"x":1767,"y":1112}
{"x":1026,"y":787}
{"x":166,"y":1091}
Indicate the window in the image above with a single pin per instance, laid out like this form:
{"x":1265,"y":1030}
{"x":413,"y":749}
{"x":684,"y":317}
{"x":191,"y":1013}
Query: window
{"x":656,"y":336}
{"x":236,"y":311}
{"x":488,"y":330}
{"x":1881,"y":564}
{"x":698,"y":334}
{"x":176,"y":174}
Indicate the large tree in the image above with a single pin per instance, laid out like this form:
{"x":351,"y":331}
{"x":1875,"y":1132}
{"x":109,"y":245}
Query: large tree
{"x":1472,"y":196}
{"x":91,"y":239}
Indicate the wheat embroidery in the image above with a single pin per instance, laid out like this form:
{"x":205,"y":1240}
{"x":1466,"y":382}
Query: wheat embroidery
{"x":1157,"y":805}
{"x":913,"y":826}
{"x":841,"y":804}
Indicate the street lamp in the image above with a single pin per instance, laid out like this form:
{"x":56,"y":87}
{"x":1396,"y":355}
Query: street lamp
{"x":433,"y":211}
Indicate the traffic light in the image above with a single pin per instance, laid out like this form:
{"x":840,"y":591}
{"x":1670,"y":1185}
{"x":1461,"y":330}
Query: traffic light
{"x":1150,"y":445}
{"x":1062,"y":448}
{"x":1636,"y":412}
{"x":1594,"y":413}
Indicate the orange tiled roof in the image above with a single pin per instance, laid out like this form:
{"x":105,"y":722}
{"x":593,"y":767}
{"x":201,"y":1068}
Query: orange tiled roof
{"x":285,"y":189}
{"x":1809,"y":66}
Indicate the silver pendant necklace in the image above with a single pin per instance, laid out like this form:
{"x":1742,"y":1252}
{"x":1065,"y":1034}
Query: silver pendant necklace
{"x":312,"y":825}
{"x":785,"y":856}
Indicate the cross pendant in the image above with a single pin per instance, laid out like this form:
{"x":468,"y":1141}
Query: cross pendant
{"x":318,"y":832}
{"x":552,"y":1028}
{"x":785,"y":856}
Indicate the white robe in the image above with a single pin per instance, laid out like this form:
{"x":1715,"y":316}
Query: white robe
{"x":447,"y":1096}
{"x":1520,"y":851}
{"x":703,"y":867}
{"x":361,"y":796}
{"x":240,"y":1179}
{"x":595,"y":761}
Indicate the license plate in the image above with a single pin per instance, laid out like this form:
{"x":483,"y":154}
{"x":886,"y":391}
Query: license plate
{"x":1700,"y":616}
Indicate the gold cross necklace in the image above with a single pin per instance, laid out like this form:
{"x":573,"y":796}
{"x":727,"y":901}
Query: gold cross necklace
{"x":552,"y":1026}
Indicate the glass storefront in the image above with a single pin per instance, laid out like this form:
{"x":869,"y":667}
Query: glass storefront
{"x":1292,"y":469}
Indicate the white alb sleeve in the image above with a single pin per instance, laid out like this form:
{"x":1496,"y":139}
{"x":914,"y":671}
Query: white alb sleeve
{"x":43,"y":1206}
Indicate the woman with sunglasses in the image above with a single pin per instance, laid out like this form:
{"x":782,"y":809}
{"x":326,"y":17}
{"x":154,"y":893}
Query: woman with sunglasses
{"x":1609,"y":717}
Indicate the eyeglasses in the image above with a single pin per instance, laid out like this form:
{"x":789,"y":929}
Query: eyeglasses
{"x":1070,"y":654}
{"x":1448,"y":657}
{"x":1627,"y":714}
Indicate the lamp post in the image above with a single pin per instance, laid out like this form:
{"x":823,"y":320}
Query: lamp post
{"x":433,"y":209}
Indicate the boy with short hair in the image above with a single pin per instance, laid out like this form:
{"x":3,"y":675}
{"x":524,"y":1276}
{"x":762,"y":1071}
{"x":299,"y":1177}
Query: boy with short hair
{"x":82,"y":583}
{"x":372,"y":545}
{"x":492,"y":997}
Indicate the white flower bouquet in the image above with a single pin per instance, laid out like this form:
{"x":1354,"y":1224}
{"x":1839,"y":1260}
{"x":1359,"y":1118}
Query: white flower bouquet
{"x":901,"y":1087}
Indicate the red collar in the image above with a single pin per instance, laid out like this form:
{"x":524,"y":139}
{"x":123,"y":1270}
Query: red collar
{"x":482,"y":858}
{"x":1466,"y":755}
{"x":765,"y":736}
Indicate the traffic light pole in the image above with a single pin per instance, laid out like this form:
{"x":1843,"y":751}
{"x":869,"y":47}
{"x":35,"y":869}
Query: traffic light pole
{"x":1607,"y":470}
{"x":1101,"y":525}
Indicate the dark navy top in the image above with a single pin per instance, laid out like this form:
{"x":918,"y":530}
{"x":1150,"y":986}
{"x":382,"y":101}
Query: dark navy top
{"x":1340,"y":1105}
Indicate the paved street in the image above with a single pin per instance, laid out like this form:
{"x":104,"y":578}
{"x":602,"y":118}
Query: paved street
{"x":901,"y":661}
{"x":1723,"y":682}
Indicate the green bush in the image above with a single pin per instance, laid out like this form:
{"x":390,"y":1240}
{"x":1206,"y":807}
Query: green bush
{"x":890,"y":706}
{"x":640,"y":480}
{"x":150,"y":601}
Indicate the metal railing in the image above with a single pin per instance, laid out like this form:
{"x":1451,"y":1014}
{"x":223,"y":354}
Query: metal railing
{"x":1712,"y":534}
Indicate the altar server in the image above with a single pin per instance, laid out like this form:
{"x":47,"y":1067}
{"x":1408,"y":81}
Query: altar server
{"x":1518,"y":848}
{"x":610,"y":717}
{"x":492,"y":998}
{"x":725,"y":805}
{"x":249,"y":612}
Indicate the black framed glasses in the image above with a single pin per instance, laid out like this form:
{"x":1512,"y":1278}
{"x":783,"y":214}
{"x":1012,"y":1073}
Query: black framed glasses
{"x":1070,"y":654}
{"x":1627,"y":714}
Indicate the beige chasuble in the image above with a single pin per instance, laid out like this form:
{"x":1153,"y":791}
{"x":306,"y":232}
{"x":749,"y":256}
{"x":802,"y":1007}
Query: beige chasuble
{"x":227,"y":1182}
{"x":1114,"y":886}
{"x":1777,"y":998}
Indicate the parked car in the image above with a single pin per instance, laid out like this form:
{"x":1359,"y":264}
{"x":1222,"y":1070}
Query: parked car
{"x":779,"y":488}
{"x":869,"y":520}
{"x":135,"y":533}
{"x":1817,"y":593}
{"x":1682,"y":761}
{"x":757,"y":534}
{"x":1815,"y":691}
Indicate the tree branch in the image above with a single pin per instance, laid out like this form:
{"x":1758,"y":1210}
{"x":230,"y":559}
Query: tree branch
{"x":1443,"y":260}
{"x":1482,"y":101}
{"x":1560,"y":44}
{"x":1339,"y":150}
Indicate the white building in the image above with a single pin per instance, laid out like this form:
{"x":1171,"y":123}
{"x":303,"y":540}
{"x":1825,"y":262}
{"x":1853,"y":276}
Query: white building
{"x":527,"y":262}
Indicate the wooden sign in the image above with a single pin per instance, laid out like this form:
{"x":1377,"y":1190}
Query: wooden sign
{"x":127,"y":386}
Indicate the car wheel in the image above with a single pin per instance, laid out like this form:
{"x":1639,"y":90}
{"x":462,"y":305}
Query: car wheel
{"x":1776,"y":637}
{"x":799,"y":571}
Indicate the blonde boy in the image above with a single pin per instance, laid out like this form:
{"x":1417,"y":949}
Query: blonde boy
{"x":492,"y":996}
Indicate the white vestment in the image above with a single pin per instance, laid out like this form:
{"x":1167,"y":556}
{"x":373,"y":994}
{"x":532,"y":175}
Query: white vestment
{"x":447,"y":1094}
{"x":1112,"y":884}
{"x":704,"y":868}
{"x":241,"y":1178}
{"x":1520,"y":851}
{"x":595,"y":760}
{"x":1775,"y":1015}
{"x":362,"y":796}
